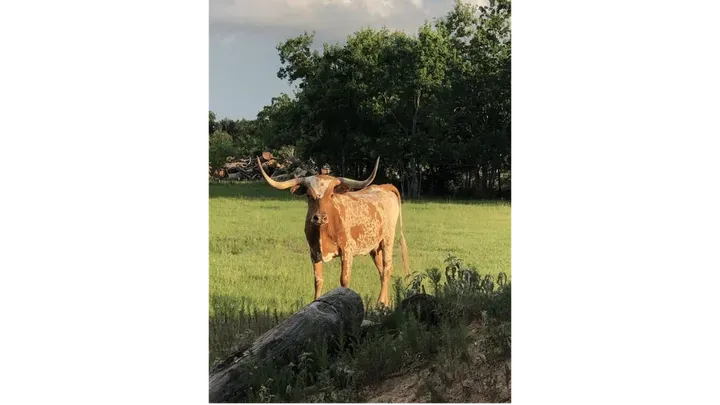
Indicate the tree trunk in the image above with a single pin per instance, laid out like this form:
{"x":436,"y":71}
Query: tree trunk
{"x":416,"y":180}
{"x":491,"y":181}
{"x":419,"y":169}
{"x":499,"y":182}
{"x":435,"y":185}
{"x":342,"y":161}
{"x":414,"y":192}
{"x":411,"y":181}
{"x":484,"y":181}
{"x":337,"y":313}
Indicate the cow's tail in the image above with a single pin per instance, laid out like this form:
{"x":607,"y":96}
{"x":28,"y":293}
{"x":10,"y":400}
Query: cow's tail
{"x":403,"y":245}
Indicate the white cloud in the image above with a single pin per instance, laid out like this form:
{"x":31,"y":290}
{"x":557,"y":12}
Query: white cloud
{"x":339,"y":17}
{"x":228,"y":38}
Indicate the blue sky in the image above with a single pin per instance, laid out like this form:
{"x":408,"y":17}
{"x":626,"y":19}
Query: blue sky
{"x":244,"y":33}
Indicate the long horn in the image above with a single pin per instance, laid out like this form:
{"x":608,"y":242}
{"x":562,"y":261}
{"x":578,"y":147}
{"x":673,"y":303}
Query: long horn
{"x":280,"y":185}
{"x":360,"y":184}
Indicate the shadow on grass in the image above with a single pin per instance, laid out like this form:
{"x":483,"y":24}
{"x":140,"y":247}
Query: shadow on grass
{"x":235,"y":322}
{"x":455,"y":201}
{"x":259,"y":190}
{"x":435,"y":338}
{"x":250,"y":190}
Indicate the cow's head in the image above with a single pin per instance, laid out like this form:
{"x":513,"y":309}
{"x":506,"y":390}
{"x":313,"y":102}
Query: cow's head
{"x":320,"y":190}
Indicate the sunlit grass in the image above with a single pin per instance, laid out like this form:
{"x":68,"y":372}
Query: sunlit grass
{"x":259,"y":255}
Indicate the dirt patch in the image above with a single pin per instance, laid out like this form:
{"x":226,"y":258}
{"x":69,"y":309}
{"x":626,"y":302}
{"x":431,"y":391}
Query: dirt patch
{"x":473,"y":380}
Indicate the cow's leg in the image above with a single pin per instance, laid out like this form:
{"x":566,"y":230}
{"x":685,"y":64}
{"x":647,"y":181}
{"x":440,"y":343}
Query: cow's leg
{"x":387,"y":254}
{"x":378,"y":259}
{"x":346,"y":270}
{"x":318,"y":272}
{"x":377,"y":256}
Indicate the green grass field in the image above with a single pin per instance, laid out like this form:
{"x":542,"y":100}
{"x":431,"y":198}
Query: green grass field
{"x":259,"y":255}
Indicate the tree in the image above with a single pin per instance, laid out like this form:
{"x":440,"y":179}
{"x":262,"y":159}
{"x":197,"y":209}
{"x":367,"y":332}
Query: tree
{"x":213,"y":124}
{"x":221,"y":147}
{"x":435,"y":106}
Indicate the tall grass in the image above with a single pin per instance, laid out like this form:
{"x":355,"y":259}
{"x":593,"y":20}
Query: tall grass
{"x":400,"y":341}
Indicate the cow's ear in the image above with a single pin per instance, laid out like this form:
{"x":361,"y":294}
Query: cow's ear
{"x":298,"y":189}
{"x":341,"y":188}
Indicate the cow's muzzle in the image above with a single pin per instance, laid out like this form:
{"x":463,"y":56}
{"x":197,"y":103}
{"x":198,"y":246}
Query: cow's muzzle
{"x":319,"y":218}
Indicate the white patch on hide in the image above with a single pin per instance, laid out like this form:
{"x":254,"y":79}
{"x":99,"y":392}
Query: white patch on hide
{"x":319,"y":186}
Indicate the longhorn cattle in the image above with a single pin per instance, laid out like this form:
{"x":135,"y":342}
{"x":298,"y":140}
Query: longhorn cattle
{"x":345,"y":223}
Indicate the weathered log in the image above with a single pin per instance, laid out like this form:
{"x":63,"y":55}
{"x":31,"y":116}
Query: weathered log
{"x":245,"y":168}
{"x":282,"y":177}
{"x":337,"y":313}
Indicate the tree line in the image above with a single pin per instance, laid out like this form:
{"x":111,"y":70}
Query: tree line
{"x":434,"y":106}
